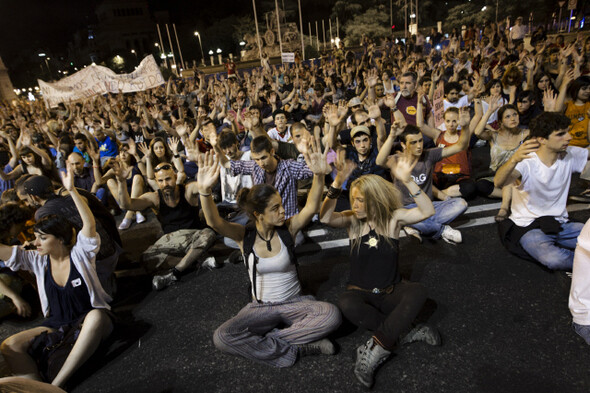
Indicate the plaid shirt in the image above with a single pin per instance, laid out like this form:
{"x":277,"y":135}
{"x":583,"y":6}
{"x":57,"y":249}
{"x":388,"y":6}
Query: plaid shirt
{"x":288,"y":172}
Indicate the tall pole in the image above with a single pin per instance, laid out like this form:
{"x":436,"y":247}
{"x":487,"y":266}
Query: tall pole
{"x":178,"y":45}
{"x":390,"y":12}
{"x":317,"y":35}
{"x":497,"y":13}
{"x":301,"y":28}
{"x":406,"y":20}
{"x":324,"y":33}
{"x":416,"y":18}
{"x":279,"y":26}
{"x":337,"y":31}
{"x":310,"y":34}
{"x":172,"y":50}
{"x":257,"y":32}
{"x":331,"y":37}
{"x":162,"y":46}
{"x":201,"y":46}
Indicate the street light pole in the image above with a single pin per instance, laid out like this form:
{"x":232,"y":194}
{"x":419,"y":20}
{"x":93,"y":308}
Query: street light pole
{"x":135,"y":53}
{"x":201,"y":46}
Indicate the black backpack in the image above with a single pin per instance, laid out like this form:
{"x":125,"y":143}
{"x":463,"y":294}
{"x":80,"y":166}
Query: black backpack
{"x":248,"y":246}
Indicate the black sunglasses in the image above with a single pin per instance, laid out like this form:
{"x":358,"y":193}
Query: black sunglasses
{"x":163,"y":167}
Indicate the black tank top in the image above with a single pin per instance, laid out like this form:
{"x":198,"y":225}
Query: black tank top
{"x":183,"y":216}
{"x":373,"y":263}
{"x":68,"y":303}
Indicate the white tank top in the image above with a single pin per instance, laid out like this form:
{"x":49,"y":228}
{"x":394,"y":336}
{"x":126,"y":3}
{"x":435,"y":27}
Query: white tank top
{"x":276,"y":277}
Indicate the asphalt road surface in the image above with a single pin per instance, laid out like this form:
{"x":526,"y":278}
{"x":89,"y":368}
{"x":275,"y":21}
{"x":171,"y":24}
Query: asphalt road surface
{"x":504,"y":322}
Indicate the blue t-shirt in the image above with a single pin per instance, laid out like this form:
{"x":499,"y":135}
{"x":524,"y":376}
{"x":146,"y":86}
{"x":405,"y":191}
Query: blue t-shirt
{"x":107,"y":148}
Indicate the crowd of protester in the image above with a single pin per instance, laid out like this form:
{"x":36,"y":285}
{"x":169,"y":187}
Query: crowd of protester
{"x":228,"y":155}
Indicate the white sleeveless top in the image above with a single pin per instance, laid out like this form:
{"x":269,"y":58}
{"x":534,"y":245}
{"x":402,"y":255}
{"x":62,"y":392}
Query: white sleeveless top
{"x":276,"y":277}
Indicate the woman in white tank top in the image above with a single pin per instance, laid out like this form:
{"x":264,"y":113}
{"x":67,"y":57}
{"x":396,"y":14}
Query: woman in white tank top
{"x":254,"y":332}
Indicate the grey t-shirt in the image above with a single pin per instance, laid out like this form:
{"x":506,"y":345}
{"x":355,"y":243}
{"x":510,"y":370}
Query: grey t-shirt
{"x":422,"y":174}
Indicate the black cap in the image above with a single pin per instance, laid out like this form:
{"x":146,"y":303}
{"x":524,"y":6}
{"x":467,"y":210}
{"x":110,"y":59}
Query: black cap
{"x":38,"y":185}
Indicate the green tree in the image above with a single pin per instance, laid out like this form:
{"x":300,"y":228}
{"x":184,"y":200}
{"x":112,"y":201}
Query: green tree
{"x":373,"y":23}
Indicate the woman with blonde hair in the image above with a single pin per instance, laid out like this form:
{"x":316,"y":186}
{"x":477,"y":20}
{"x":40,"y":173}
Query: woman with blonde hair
{"x":376,"y":297}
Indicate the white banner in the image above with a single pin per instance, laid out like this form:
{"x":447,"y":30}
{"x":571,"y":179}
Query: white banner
{"x":94,"y":80}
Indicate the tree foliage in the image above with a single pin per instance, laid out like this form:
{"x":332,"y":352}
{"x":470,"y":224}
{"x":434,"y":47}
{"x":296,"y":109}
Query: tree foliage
{"x":373,"y":23}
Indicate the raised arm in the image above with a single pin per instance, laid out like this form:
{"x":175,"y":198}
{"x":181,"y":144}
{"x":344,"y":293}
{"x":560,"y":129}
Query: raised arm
{"x":149,"y":199}
{"x":480,"y":130}
{"x":424,"y":207}
{"x":88,"y":222}
{"x":463,"y":141}
{"x":206,"y":178}
{"x":507,"y":173}
{"x":327,"y":214}
{"x":316,"y":162}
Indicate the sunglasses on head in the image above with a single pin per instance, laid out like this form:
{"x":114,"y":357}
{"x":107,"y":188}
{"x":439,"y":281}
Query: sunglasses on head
{"x":164,"y":167}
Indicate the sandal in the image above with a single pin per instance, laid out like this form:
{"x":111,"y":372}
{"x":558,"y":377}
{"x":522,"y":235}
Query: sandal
{"x":502,"y":215}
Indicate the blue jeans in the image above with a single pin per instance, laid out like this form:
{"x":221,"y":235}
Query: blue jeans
{"x":444,"y":213}
{"x":554,"y":251}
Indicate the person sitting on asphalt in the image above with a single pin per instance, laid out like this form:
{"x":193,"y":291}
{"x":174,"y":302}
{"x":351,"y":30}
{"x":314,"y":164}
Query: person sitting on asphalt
{"x":40,"y":194}
{"x":579,"y":300}
{"x":178,"y":213}
{"x":282,"y":130}
{"x":70,"y":293}
{"x":376,"y":298}
{"x":255,"y":332}
{"x":423,"y":163}
{"x":539,"y":228}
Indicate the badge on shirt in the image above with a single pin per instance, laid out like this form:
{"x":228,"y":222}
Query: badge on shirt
{"x":77,"y":282}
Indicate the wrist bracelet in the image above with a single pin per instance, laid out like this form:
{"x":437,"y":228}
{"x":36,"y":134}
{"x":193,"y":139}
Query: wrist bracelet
{"x":416,"y":194}
{"x":176,"y":155}
{"x":205,"y":195}
{"x":333,"y":192}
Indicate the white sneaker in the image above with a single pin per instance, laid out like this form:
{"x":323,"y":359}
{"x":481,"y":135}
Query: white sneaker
{"x":139,"y":218}
{"x":210,"y":263}
{"x":451,"y":235}
{"x":413,"y":232}
{"x":126,"y":223}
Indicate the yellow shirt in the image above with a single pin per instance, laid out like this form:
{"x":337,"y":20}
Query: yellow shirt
{"x":579,"y":126}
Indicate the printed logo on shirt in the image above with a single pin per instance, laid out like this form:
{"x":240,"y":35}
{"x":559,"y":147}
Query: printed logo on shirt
{"x":420,"y":179}
{"x":77,"y":282}
{"x":411,"y":110}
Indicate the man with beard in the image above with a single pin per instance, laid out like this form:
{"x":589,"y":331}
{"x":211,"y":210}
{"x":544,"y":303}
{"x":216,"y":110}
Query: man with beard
{"x":177,"y":210}
{"x":539,"y":228}
{"x":407,"y":102}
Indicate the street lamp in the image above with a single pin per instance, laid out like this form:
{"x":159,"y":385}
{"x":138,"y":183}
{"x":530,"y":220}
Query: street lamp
{"x":219,"y":56}
{"x":46,"y":63}
{"x":211,"y":56}
{"x":135,"y":53}
{"x":201,"y":46}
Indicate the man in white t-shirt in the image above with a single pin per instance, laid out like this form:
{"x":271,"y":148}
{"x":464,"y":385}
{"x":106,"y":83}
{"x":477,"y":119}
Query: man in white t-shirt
{"x":453,"y":99}
{"x":282,"y":131}
{"x":544,"y":165}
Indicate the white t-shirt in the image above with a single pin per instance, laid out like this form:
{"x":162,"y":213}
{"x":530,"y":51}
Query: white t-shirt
{"x":579,"y":301}
{"x":274,"y":134}
{"x":230,"y":185}
{"x":543,"y":190}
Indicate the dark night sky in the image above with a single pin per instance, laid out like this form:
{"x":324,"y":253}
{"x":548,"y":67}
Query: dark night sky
{"x":28,"y":27}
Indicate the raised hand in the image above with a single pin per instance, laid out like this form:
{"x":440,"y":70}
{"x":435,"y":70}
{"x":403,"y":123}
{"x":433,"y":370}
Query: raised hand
{"x":173,"y":144}
{"x":315,"y":159}
{"x":343,"y":166}
{"x":372,"y":78}
{"x":495,"y":102}
{"x":549,"y":100}
{"x":144,"y":149}
{"x":374,"y":111}
{"x":464,"y":117}
{"x":182,"y":129}
{"x":67,"y":177}
{"x":192,"y":150}
{"x":403,"y":167}
{"x":397,"y":127}
{"x":93,"y":153}
{"x":208,"y":173}
{"x":332,"y":116}
{"x":524,"y":151}
{"x":121,"y":173}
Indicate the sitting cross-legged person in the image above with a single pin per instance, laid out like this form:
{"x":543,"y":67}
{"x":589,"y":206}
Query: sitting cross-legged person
{"x":178,"y":212}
